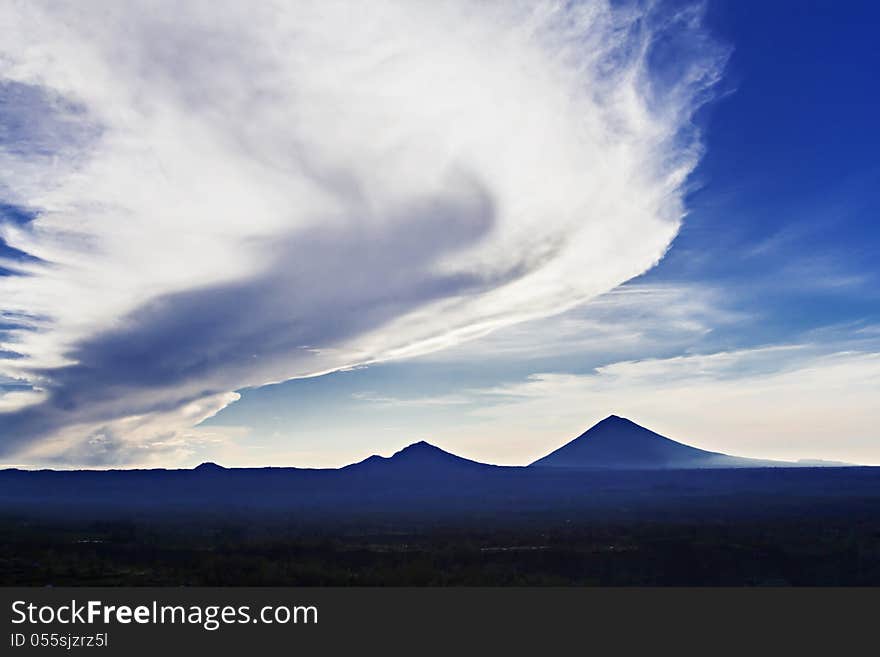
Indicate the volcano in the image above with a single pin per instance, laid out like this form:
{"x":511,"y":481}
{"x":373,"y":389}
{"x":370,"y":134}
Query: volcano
{"x":420,"y":459}
{"x":620,"y":444}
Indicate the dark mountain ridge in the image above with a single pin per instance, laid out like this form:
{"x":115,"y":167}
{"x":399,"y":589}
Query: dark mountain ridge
{"x":421,"y":458}
{"x":621,"y":444}
{"x":615,"y":468}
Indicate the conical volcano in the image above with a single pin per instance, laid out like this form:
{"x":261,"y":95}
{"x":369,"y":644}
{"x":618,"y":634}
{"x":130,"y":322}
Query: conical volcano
{"x":621,"y":444}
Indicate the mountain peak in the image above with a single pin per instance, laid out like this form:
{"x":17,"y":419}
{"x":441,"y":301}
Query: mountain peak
{"x":614,"y":419}
{"x":421,"y":447}
{"x":619,"y":443}
{"x":208,"y":466}
{"x":420,"y":458}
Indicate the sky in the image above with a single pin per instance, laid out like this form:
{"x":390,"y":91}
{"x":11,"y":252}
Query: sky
{"x":293,"y":236}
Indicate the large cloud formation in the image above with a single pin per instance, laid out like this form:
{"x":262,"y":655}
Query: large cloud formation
{"x":208,"y":196}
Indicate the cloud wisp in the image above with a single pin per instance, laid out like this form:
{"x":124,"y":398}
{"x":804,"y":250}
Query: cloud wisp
{"x":218,"y":196}
{"x":785,"y":402}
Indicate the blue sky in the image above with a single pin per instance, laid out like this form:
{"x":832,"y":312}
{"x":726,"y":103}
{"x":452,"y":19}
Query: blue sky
{"x":782,"y":223}
{"x":756,"y":333}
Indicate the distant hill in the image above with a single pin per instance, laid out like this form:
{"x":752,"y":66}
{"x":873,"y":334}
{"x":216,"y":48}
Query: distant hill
{"x":620,"y":444}
{"x":383,"y":492}
{"x":208,"y":467}
{"x":615,"y":467}
{"x":419,"y":459}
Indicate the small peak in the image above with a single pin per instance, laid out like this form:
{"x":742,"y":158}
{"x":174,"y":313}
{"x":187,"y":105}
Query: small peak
{"x":208,"y":466}
{"x":421,"y":446}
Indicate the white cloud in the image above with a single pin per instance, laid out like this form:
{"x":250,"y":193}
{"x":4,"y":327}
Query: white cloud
{"x":149,"y":440}
{"x":631,"y":321}
{"x":414,"y":402}
{"x":232,"y":194}
{"x":786,"y":402}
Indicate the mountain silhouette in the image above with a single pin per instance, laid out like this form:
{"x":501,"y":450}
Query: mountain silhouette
{"x":621,"y":444}
{"x":208,"y":467}
{"x":419,"y":459}
{"x":615,"y":467}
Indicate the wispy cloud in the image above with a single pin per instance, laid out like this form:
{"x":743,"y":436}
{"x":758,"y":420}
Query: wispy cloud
{"x":635,"y":320}
{"x":230,"y":195}
{"x":788,"y":401}
{"x":415,"y":402}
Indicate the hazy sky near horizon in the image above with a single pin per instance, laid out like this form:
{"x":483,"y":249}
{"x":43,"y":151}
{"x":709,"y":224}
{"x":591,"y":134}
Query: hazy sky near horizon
{"x":304,"y":233}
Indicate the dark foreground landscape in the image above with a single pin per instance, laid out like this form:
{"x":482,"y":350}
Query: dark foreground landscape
{"x":426,"y":517}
